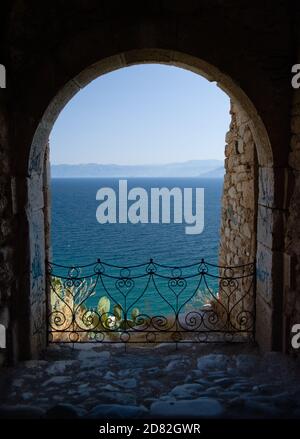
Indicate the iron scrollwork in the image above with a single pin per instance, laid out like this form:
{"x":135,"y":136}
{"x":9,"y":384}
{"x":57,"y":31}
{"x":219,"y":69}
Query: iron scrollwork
{"x":151,"y":303}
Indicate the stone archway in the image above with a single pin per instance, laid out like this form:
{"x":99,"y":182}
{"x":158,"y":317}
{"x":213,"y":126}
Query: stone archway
{"x":268,"y":311}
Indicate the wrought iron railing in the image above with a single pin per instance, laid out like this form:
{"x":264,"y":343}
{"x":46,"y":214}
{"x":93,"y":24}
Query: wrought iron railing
{"x":151,"y":303}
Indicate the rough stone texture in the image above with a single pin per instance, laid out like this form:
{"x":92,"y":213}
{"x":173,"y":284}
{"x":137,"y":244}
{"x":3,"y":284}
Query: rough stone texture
{"x":238,"y":223}
{"x":292,"y":240}
{"x":238,"y":228}
{"x":229,"y":381}
{"x":7,"y":220}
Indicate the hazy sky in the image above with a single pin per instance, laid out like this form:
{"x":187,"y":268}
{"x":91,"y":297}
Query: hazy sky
{"x":143,"y":114}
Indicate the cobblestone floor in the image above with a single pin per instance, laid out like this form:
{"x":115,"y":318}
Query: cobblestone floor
{"x":194,"y":381}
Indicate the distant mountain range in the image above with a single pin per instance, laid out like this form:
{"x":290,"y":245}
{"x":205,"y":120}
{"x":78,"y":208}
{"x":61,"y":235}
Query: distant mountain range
{"x":192,"y":168}
{"x":214,"y":173}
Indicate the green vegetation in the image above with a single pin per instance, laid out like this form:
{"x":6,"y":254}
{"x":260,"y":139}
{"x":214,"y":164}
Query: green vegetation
{"x":70,"y":311}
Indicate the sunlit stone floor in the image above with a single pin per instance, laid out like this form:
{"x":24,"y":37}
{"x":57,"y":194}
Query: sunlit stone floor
{"x":105,"y":381}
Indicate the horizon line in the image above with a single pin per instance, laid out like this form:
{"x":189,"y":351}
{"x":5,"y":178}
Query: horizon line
{"x":137,"y":164}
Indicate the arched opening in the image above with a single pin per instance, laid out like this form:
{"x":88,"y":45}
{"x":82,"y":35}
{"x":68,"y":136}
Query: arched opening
{"x":36,"y":212}
{"x":150,"y":131}
{"x":138,"y":122}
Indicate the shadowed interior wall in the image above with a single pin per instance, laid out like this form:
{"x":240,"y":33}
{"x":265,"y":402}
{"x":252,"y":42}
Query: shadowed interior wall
{"x":51,"y":51}
{"x":292,"y":236}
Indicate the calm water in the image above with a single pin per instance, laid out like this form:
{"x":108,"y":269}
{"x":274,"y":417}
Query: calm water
{"x":77,"y":237}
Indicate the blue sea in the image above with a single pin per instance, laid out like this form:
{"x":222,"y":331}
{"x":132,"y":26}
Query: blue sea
{"x":78,"y":238}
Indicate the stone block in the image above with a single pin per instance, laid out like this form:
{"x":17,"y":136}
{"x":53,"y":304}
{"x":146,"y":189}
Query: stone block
{"x":53,"y":110}
{"x":266,"y":186}
{"x":249,"y":154}
{"x":296,"y":97}
{"x":247,"y":136}
{"x":248,"y":194}
{"x":35,"y":192}
{"x":244,"y":168}
{"x":37,"y":247}
{"x":294,"y":160}
{"x":100,"y":68}
{"x":295,"y":124}
{"x":246,"y":230}
{"x":232,"y":192}
{"x":241,"y":146}
{"x":39,"y":143}
{"x":295,"y":142}
{"x":263,"y":329}
{"x":268,"y":272}
{"x":270,"y":223}
{"x":272,"y":184}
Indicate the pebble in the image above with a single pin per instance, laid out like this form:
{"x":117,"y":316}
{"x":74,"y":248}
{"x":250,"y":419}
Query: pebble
{"x":231,"y":385}
{"x":130,"y":383}
{"x":186,"y":391}
{"x":219,"y":374}
{"x":109,"y":388}
{"x":214,"y":390}
{"x":117,"y":397}
{"x":154,"y":384}
{"x":212,"y":361}
{"x":176,"y":365}
{"x":63,"y":379}
{"x":230,"y":394}
{"x":246,"y":364}
{"x":154,"y":371}
{"x":58,"y":367}
{"x":110,"y":376}
{"x":224,"y":381}
{"x":241,"y":387}
{"x":203,"y":381}
{"x":27,"y":396}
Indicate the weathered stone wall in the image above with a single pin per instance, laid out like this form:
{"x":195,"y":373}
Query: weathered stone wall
{"x":6,"y":229}
{"x":7,"y":281}
{"x":292,"y":238}
{"x":251,"y":216}
{"x":238,"y":224}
